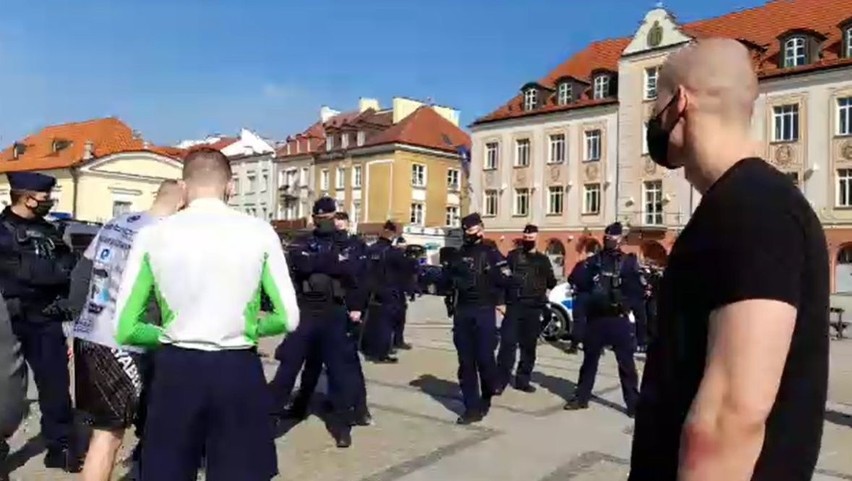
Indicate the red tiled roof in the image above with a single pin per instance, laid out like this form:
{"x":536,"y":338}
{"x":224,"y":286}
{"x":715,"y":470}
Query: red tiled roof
{"x":108,"y":136}
{"x":761,"y":26}
{"x":423,"y":128}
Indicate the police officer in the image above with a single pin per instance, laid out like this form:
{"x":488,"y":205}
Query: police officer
{"x":354,"y":248}
{"x":479,"y":275}
{"x":410,"y":290}
{"x":386,"y":295}
{"x":35,"y":270}
{"x":607,"y":308}
{"x":527,"y":302}
{"x":324,"y":275}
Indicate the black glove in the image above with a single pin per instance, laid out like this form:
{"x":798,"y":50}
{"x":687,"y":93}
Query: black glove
{"x":58,"y":310}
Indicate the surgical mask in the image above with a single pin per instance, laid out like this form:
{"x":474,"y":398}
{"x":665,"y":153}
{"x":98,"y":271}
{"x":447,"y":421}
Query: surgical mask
{"x":471,"y":238}
{"x":42,"y":207}
{"x":528,"y":245}
{"x":325,"y":226}
{"x":657,"y":138}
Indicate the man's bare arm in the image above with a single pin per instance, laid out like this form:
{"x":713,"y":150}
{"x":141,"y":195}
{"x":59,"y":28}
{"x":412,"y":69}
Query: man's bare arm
{"x":747,"y":349}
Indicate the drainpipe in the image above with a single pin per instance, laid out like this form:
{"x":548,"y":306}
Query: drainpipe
{"x":75,"y":182}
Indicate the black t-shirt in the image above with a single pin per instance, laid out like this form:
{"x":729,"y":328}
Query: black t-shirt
{"x":754,"y":236}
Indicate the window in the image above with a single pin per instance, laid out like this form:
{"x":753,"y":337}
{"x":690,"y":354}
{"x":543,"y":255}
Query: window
{"x":522,"y":153}
{"x":236,"y":181}
{"x":356,"y":177}
{"x":653,"y":210}
{"x":785,"y":119}
{"x":844,"y":188}
{"x":120,"y":207}
{"x":844,"y":116}
{"x":361,"y":137}
{"x":530,"y":99}
{"x":555,"y":200}
{"x":291,"y":210}
{"x":416,"y":213}
{"x":264,"y":182}
{"x":418,"y":175}
{"x":795,"y":53}
{"x":340,"y":178}
{"x":252,"y":183}
{"x":324,"y":179}
{"x":521,"y":202}
{"x":651,"y":83}
{"x":263,"y":214}
{"x":329,"y":142}
{"x":593,"y":145}
{"x":557,"y":149}
{"x":601,"y":86}
{"x":490,"y":203}
{"x":644,"y":139}
{"x":847,"y":44}
{"x":303,"y":177}
{"x":453,"y":181}
{"x":491,"y":156}
{"x":564,"y":94}
{"x":356,"y":211}
{"x":344,"y":140}
{"x":591,"y":199}
{"x":452,"y":219}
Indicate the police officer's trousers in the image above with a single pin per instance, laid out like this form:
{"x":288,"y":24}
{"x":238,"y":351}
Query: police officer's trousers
{"x":578,"y":314}
{"x":379,"y":326}
{"x":617,"y":332}
{"x":519,"y":331}
{"x":399,"y":326}
{"x":322,"y":334}
{"x":46,"y":351}
{"x":475,"y":338}
{"x":640,"y":314}
{"x":313,"y":369}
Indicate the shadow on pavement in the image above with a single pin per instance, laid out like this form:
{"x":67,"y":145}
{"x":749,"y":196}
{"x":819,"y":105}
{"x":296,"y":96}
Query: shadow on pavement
{"x":838,"y":418}
{"x":441,"y":390}
{"x":32,"y":448}
{"x":565,"y":389}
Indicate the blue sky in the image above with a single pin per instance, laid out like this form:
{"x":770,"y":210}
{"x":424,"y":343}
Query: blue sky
{"x":176,"y":69}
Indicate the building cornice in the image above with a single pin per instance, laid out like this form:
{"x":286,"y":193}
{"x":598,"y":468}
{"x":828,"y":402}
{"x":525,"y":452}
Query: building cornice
{"x":581,"y":113}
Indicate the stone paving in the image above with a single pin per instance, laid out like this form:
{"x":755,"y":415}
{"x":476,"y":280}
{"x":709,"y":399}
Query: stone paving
{"x":526,"y":437}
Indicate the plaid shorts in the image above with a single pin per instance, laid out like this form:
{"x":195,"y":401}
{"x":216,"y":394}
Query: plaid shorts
{"x":108,"y":385}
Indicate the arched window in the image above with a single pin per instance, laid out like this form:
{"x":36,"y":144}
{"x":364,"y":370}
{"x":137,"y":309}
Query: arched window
{"x":795,"y":51}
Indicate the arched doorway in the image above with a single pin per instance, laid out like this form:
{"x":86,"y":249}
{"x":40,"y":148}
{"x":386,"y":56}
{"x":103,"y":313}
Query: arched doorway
{"x":588,"y":245}
{"x":556,"y":253}
{"x":843,"y":269}
{"x":654,"y":253}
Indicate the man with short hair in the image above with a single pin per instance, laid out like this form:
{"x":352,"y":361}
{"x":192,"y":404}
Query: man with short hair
{"x":35,"y":271}
{"x":526,"y":302}
{"x":208,"y":266}
{"x":736,"y":380}
{"x":109,"y":379}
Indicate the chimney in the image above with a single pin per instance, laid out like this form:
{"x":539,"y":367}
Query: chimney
{"x":365,"y":104}
{"x":88,"y":150}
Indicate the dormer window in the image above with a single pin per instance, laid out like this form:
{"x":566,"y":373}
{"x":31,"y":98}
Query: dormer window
{"x":361,"y":137}
{"x":18,"y":150}
{"x":530,"y":98}
{"x":59,"y":144}
{"x":564,"y":93}
{"x":847,"y":42}
{"x":601,"y":87}
{"x":344,"y":140}
{"x":795,"y":51}
{"x":329,"y":142}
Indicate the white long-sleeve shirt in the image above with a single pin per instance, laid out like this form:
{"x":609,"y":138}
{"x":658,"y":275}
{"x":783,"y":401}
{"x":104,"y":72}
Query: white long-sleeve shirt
{"x":207,"y":265}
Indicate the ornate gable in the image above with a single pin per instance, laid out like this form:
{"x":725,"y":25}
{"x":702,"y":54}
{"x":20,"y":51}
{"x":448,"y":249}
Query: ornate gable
{"x":658,"y":30}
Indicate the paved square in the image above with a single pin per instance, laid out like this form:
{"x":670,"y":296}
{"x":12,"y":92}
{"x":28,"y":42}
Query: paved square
{"x":526,"y":437}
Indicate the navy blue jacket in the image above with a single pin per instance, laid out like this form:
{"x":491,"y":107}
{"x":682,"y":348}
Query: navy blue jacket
{"x":387,"y":270}
{"x":583,"y":276}
{"x":479,"y":275}
{"x":322,"y":270}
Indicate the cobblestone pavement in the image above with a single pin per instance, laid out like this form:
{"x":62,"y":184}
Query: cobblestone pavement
{"x":526,"y":437}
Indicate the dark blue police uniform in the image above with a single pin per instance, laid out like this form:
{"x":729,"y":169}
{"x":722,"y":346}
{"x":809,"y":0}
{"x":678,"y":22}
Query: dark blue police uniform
{"x":353,"y":248}
{"x":479,"y":276}
{"x":386,"y":286}
{"x":606,"y":277}
{"x":410,"y":269}
{"x":35,"y":270}
{"x":322,"y":273}
{"x":579,"y":285}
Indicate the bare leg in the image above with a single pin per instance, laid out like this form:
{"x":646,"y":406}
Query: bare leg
{"x":100,"y":459}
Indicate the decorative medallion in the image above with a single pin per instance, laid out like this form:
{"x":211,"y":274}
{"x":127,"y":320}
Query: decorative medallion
{"x":554,"y":173}
{"x":784,"y":155}
{"x":655,"y":35}
{"x":846,"y":150}
{"x":592,"y":171}
{"x":650,"y":166}
{"x":521,"y":176}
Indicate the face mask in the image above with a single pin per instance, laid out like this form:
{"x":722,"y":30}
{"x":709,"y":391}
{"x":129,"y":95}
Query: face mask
{"x":325,"y":226}
{"x":42,"y":207}
{"x":528,"y":245}
{"x":657,"y":138}
{"x":471,"y":238}
{"x":610,"y":244}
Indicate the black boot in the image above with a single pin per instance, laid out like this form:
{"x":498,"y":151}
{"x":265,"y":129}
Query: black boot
{"x":363,"y":418}
{"x":64,"y":458}
{"x":404,"y":346}
{"x":294,"y":412}
{"x":576,"y":405}
{"x":469,"y":417}
{"x":4,"y":468}
{"x":343,"y":437}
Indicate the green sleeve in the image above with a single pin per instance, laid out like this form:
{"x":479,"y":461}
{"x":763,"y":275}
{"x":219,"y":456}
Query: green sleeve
{"x":136,"y":288}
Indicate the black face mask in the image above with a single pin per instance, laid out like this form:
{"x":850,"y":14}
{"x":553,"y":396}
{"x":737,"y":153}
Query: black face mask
{"x":471,"y":238}
{"x":528,"y":245}
{"x":42,"y":207}
{"x":325,"y":226}
{"x":610,"y":244}
{"x":658,"y":136}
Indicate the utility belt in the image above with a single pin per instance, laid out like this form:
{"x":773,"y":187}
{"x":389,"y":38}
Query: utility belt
{"x":323,"y":288}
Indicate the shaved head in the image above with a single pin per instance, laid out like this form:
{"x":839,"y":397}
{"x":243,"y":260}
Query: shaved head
{"x":719,"y":74}
{"x":206,"y":167}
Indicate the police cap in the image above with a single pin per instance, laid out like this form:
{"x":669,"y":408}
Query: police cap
{"x":614,"y":229}
{"x":530,"y":229}
{"x":471,"y":220}
{"x":389,"y":226}
{"x":341,"y":216}
{"x":31,"y":181}
{"x":324,"y":205}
